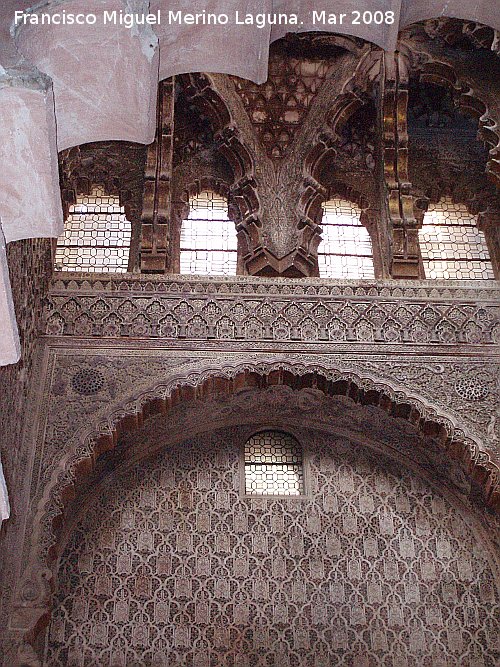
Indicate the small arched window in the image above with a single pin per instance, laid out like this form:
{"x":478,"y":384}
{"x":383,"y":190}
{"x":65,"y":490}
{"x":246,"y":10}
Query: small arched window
{"x":96,"y":235}
{"x":273,"y":465}
{"x":208,"y":237}
{"x":345,"y":250}
{"x":451,"y":244}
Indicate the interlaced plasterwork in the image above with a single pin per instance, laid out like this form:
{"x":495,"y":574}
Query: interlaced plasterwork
{"x":268,"y":310}
{"x":435,"y":379}
{"x":338,"y":415}
{"x":126,"y":373}
{"x":76,"y":420}
{"x":171,"y":566}
{"x":71,"y":413}
{"x":29,"y":263}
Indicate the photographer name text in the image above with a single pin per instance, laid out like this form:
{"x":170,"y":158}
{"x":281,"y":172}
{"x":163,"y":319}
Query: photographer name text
{"x":204,"y":18}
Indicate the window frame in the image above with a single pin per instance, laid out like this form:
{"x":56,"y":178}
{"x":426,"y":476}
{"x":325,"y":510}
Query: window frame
{"x":325,"y":225}
{"x":181,"y":249}
{"x":250,"y":432}
{"x":471,"y":222}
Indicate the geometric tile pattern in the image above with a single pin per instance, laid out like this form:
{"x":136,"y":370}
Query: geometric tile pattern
{"x":345,"y":250}
{"x":208,"y":237}
{"x":451,"y":244}
{"x":96,"y":236}
{"x":172,"y":566}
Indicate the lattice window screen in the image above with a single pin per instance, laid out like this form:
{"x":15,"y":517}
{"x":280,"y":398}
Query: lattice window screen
{"x":451,"y":244}
{"x":208,"y":237}
{"x":273,"y":465}
{"x":96,"y":236}
{"x":346,"y":249}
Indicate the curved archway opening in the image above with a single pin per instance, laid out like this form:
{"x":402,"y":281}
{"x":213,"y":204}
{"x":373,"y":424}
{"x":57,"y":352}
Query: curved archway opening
{"x":443,"y":446}
{"x":453,"y":444}
{"x":168,"y":546}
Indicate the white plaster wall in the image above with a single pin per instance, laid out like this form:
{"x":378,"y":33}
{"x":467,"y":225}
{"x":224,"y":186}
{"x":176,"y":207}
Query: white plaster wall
{"x":105,"y":77}
{"x":4,"y":498}
{"x":30,"y":199}
{"x":10,"y":349}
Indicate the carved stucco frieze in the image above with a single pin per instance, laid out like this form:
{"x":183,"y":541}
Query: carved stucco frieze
{"x":425,"y":351}
{"x":387,"y":318}
{"x":467,"y":392}
{"x":87,"y":393}
{"x":127,"y":375}
{"x":240,"y":310}
{"x":351,"y":339}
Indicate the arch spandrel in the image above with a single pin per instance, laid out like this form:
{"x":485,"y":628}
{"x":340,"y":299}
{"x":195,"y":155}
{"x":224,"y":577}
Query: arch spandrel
{"x":191,"y":383}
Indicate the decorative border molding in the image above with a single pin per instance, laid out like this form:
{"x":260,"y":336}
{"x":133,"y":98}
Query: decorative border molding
{"x":256,"y":309}
{"x":64,"y":281}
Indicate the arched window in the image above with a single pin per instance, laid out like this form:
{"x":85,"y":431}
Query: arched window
{"x":273,"y":465}
{"x":96,"y":235}
{"x":345,"y":250}
{"x":208,"y":237}
{"x":451,"y":244}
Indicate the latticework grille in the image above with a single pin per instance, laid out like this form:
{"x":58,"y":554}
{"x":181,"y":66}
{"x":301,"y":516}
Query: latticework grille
{"x":346,"y":249}
{"x":273,"y":465}
{"x":208,"y":238}
{"x":451,"y":244}
{"x":96,"y":236}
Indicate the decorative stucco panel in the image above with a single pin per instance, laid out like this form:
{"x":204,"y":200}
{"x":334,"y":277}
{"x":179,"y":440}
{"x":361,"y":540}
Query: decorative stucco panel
{"x":172,"y":566}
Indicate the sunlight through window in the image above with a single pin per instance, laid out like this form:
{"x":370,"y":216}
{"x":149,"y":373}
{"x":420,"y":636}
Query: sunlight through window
{"x":346,"y":249}
{"x":451,"y":244}
{"x":208,"y":237}
{"x":96,"y":236}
